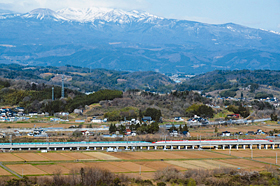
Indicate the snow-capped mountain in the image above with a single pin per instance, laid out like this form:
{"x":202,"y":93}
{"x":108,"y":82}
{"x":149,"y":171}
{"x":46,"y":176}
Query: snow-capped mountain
{"x":92,"y":14}
{"x":133,"y":40}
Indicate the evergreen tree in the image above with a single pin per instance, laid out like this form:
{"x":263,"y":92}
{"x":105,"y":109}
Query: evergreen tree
{"x":273,"y":117}
{"x":173,"y":128}
{"x":216,"y":129}
{"x":140,"y":115}
{"x":112,"y":128}
{"x":154,"y":113}
{"x":180,"y":128}
{"x":185,"y":128}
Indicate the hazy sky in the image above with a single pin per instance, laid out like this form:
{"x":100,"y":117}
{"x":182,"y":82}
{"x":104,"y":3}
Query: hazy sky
{"x":263,"y":14}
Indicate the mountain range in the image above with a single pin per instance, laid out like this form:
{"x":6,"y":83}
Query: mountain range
{"x":132,"y":41}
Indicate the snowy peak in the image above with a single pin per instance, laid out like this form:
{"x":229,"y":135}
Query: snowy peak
{"x":41,"y":13}
{"x":104,"y":14}
{"x":92,"y":14}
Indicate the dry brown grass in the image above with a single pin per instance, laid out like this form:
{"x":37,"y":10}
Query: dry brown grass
{"x":269,"y":160}
{"x":133,"y":167}
{"x":158,"y":165}
{"x":101,"y":156}
{"x":56,"y":156}
{"x":182,"y":164}
{"x":256,"y":152}
{"x":26,"y":169}
{"x":108,"y":166}
{"x":31,"y":156}
{"x":4,"y":172}
{"x":72,"y":165}
{"x":51,"y":169}
{"x":9,"y":157}
{"x":245,"y":164}
{"x":198,"y":154}
{"x":79,"y":156}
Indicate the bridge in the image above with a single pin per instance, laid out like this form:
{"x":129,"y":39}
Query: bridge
{"x":143,"y":145}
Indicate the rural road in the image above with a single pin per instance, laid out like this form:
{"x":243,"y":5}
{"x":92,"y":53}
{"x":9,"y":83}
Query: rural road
{"x":9,"y":170}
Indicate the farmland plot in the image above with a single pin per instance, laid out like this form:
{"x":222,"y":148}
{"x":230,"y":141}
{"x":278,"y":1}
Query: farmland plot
{"x":79,"y":156}
{"x":9,"y":157}
{"x":108,"y":166}
{"x":101,"y":156}
{"x":51,"y":169}
{"x":132,"y":167}
{"x":26,"y":169}
{"x":4,"y":172}
{"x":199,"y":154}
{"x":56,"y":156}
{"x":72,"y":165}
{"x":158,"y":165}
{"x":31,"y":156}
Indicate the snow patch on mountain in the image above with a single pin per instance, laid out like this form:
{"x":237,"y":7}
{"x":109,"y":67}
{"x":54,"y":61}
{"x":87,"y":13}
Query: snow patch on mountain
{"x":271,"y":31}
{"x":92,"y":14}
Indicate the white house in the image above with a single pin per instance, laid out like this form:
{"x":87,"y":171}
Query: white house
{"x":226,"y":133}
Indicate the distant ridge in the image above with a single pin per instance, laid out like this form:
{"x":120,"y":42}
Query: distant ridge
{"x":133,"y":41}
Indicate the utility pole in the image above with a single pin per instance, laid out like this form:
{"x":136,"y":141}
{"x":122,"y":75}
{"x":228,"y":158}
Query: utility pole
{"x":11,"y":139}
{"x":53,"y":93}
{"x":276,"y":158}
{"x":47,"y":140}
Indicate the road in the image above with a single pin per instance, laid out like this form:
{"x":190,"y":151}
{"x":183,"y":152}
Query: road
{"x":240,"y":121}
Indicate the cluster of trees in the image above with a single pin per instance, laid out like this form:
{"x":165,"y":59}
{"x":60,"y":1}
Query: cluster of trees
{"x":260,"y":105}
{"x":140,"y":129}
{"x":30,"y":96}
{"x":200,"y":110}
{"x":4,"y":83}
{"x":243,"y":111}
{"x":274,"y":117}
{"x":80,"y":101}
{"x":229,"y":93}
{"x":129,"y":113}
{"x":38,"y":97}
{"x":263,"y":95}
{"x":180,"y":128}
{"x":147,"y":129}
{"x":221,"y":79}
{"x":155,"y":114}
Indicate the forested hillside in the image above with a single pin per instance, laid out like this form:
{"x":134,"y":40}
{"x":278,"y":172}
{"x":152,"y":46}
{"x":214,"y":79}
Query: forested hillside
{"x":88,"y":80}
{"x":38,"y":97}
{"x":226,"y":79}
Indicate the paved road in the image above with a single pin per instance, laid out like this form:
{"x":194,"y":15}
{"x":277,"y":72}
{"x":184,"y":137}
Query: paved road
{"x":9,"y":170}
{"x":56,"y":129}
{"x":240,"y":121}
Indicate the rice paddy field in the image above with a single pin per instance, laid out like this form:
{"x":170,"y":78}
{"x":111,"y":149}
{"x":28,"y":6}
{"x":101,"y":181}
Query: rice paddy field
{"x":132,"y":163}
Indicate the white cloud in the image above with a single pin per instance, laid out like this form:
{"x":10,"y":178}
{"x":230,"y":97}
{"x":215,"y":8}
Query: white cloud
{"x":28,"y":5}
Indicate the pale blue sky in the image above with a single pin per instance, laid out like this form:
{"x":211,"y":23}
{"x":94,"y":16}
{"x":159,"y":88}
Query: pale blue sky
{"x":263,"y":14}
